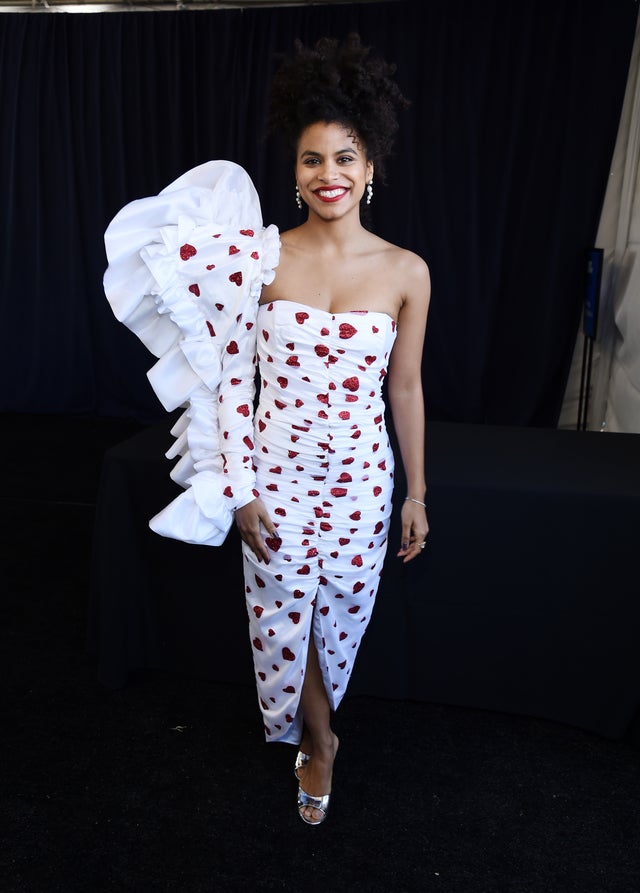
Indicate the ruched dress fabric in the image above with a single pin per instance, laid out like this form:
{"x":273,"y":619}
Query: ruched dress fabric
{"x":324,"y":469}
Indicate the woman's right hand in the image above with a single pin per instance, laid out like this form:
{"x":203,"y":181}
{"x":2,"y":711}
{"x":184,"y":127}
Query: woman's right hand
{"x":249,"y":519}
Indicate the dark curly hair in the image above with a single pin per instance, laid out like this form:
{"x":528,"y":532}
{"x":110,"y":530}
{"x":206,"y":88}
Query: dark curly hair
{"x":339,"y":83}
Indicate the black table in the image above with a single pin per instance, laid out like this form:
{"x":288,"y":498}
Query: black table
{"x":525,"y":601}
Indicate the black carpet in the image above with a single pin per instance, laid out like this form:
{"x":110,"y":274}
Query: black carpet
{"x":167,"y":784}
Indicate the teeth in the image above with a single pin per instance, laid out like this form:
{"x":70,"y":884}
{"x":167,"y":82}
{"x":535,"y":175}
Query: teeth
{"x":330,"y":193}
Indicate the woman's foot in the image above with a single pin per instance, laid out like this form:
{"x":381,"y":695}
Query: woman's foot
{"x":316,"y":776}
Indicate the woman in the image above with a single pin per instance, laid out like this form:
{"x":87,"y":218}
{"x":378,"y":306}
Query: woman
{"x":345,"y":310}
{"x":310,"y":478}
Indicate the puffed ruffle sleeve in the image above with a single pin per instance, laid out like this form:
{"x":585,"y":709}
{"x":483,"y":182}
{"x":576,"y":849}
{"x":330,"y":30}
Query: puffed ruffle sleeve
{"x":185,"y":272}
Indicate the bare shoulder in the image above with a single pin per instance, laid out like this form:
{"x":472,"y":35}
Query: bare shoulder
{"x":412,"y":274}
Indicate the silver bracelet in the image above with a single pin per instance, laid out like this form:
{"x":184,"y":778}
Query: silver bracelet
{"x":411,"y":499}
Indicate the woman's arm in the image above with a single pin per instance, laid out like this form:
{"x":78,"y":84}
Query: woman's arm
{"x":407,"y":403}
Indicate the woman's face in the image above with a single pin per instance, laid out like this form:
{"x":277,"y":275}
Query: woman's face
{"x":332,"y":170}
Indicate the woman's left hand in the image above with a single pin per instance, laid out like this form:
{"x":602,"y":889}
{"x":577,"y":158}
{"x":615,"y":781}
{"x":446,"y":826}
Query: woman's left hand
{"x":415,"y":528}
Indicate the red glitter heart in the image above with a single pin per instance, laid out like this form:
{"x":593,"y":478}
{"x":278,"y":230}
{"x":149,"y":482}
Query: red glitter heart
{"x":236,"y":278}
{"x":187,"y":251}
{"x":347,"y":330}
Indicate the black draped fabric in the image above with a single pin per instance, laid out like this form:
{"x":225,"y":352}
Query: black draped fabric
{"x":497,"y":180}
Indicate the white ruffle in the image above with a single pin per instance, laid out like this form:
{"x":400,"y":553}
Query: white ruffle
{"x":186,"y":268}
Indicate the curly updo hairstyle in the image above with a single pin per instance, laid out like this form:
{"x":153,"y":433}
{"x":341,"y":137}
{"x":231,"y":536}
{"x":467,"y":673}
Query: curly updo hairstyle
{"x":338,"y":83}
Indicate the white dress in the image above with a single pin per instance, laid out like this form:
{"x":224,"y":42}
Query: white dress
{"x":324,"y":469}
{"x":185,"y":274}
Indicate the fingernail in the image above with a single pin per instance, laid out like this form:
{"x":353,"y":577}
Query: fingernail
{"x":405,"y":545}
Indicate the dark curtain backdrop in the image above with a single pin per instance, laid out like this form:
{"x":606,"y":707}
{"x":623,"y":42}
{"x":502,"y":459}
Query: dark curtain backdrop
{"x":497,"y":180}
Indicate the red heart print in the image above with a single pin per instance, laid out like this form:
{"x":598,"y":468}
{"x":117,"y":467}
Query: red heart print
{"x":295,"y":616}
{"x":195,"y":289}
{"x":211,"y":329}
{"x":287,"y":654}
{"x":232,"y":348}
{"x":246,"y":232}
{"x":347,"y":330}
{"x":228,"y":492}
{"x":187,"y":251}
{"x":257,"y":644}
{"x":369,"y":360}
{"x":301,"y":316}
{"x":351,"y":384}
{"x":233,"y":250}
{"x":236,"y":278}
{"x":257,"y":610}
{"x":211,"y":266}
{"x":243,"y":409}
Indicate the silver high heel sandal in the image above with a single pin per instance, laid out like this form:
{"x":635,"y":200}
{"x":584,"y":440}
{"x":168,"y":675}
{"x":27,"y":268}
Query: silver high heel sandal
{"x":319,"y":803}
{"x":301,"y":761}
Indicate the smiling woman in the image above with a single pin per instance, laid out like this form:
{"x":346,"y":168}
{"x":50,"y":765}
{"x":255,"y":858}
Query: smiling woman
{"x":332,"y":313}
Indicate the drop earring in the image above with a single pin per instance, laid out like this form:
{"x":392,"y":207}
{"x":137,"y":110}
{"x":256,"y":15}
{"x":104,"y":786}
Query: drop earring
{"x":298,"y":199}
{"x":369,"y":191}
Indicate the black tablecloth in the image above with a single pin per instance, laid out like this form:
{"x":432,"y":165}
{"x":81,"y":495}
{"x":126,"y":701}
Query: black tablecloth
{"x":526,"y":599}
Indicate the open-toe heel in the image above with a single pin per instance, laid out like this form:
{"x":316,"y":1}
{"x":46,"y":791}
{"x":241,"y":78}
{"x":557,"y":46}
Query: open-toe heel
{"x":319,"y":803}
